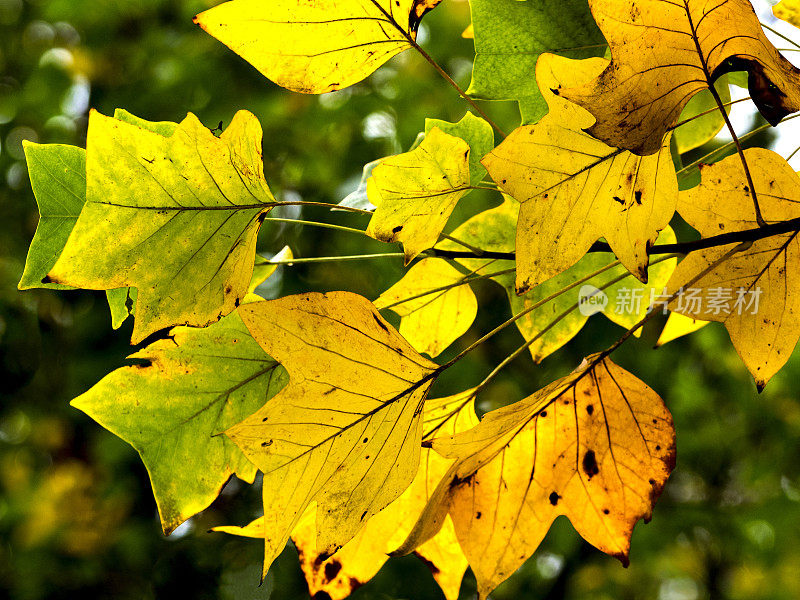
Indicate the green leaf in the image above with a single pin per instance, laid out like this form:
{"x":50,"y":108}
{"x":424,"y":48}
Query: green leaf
{"x":58,"y":179}
{"x":122,"y":303}
{"x":176,"y":218}
{"x":191,"y":387}
{"x":509,"y":37}
{"x":477,"y":133}
{"x":702,"y":130}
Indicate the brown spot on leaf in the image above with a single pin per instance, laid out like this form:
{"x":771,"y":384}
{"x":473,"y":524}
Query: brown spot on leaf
{"x":589,"y":464}
{"x":332,"y":570}
{"x":554,"y":498}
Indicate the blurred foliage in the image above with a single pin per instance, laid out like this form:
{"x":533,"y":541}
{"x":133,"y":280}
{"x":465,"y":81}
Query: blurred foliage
{"x":77,"y":517}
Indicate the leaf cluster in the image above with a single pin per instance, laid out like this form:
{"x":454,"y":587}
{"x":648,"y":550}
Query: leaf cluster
{"x":320,"y":393}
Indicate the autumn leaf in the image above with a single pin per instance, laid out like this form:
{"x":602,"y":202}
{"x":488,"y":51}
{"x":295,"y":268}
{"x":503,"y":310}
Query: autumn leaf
{"x":753,"y":293}
{"x":362,"y":557}
{"x":416,"y":192}
{"x":433,"y":321}
{"x":664,"y":52}
{"x":596,"y":446}
{"x":58,"y":179}
{"x":476,"y":132}
{"x":509,"y":37}
{"x":788,"y":10}
{"x":174,"y":403}
{"x":556,"y":321}
{"x":320,"y":46}
{"x":678,"y":326}
{"x":575,"y":189}
{"x":176,"y":217}
{"x":346,"y":430}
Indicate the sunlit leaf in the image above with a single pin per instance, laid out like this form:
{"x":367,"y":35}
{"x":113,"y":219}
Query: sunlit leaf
{"x":431,"y":322}
{"x":346,"y":430}
{"x":172,"y":406}
{"x":596,"y":446}
{"x":754,"y":293}
{"x":476,"y":132}
{"x":361,"y":558}
{"x":416,"y":192}
{"x":664,"y":52}
{"x":176,"y":218}
{"x":788,"y":10}
{"x":575,"y":189}
{"x":678,"y":326}
{"x":320,"y":46}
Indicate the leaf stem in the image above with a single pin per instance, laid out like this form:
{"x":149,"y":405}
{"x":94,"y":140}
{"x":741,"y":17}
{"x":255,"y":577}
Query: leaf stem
{"x":780,"y":35}
{"x":410,"y":39}
{"x":724,"y":113}
{"x":320,"y":259}
{"x":514,"y":355}
{"x":521,"y":314}
{"x":316,"y":224}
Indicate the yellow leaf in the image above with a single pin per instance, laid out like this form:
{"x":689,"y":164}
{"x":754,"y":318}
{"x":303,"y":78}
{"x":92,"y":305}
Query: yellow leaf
{"x":174,"y":216}
{"x":575,"y":189}
{"x":346,"y":429}
{"x":678,"y":326}
{"x":362,"y":557}
{"x":788,"y":10}
{"x":754,"y":293}
{"x":596,"y":446}
{"x":415,"y":192}
{"x":431,"y":322}
{"x":664,"y":52}
{"x":316,"y":46}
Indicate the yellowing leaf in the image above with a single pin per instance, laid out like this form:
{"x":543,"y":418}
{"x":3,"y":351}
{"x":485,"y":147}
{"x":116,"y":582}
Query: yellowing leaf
{"x":665,"y":52}
{"x":171,"y":408}
{"x":678,"y":326}
{"x":788,"y":10}
{"x":575,"y":189}
{"x":431,"y":322}
{"x":624,"y":302}
{"x":176,"y":218}
{"x":361,"y":558}
{"x":596,"y":446}
{"x":316,"y":46}
{"x":415,"y":192}
{"x":755,"y":292}
{"x":346,"y":430}
{"x":697,"y":130}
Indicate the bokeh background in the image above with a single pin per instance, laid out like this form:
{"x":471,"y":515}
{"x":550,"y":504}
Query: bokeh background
{"x":77,"y":518}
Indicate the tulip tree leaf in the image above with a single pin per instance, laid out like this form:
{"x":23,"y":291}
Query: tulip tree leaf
{"x":415,"y":192}
{"x":431,"y":322}
{"x":509,"y":37}
{"x":477,"y":133}
{"x":320,"y":46}
{"x":596,"y":446}
{"x":346,"y":430}
{"x":754,"y":293}
{"x":58,"y":179}
{"x":665,"y":52}
{"x":173,"y":405}
{"x":362,"y":557}
{"x":575,"y":189}
{"x":176,"y":217}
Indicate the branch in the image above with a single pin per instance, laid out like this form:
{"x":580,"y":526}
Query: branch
{"x":723,"y":239}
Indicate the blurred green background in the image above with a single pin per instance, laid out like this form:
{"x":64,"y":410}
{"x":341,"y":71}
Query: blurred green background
{"x":77,"y":518}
